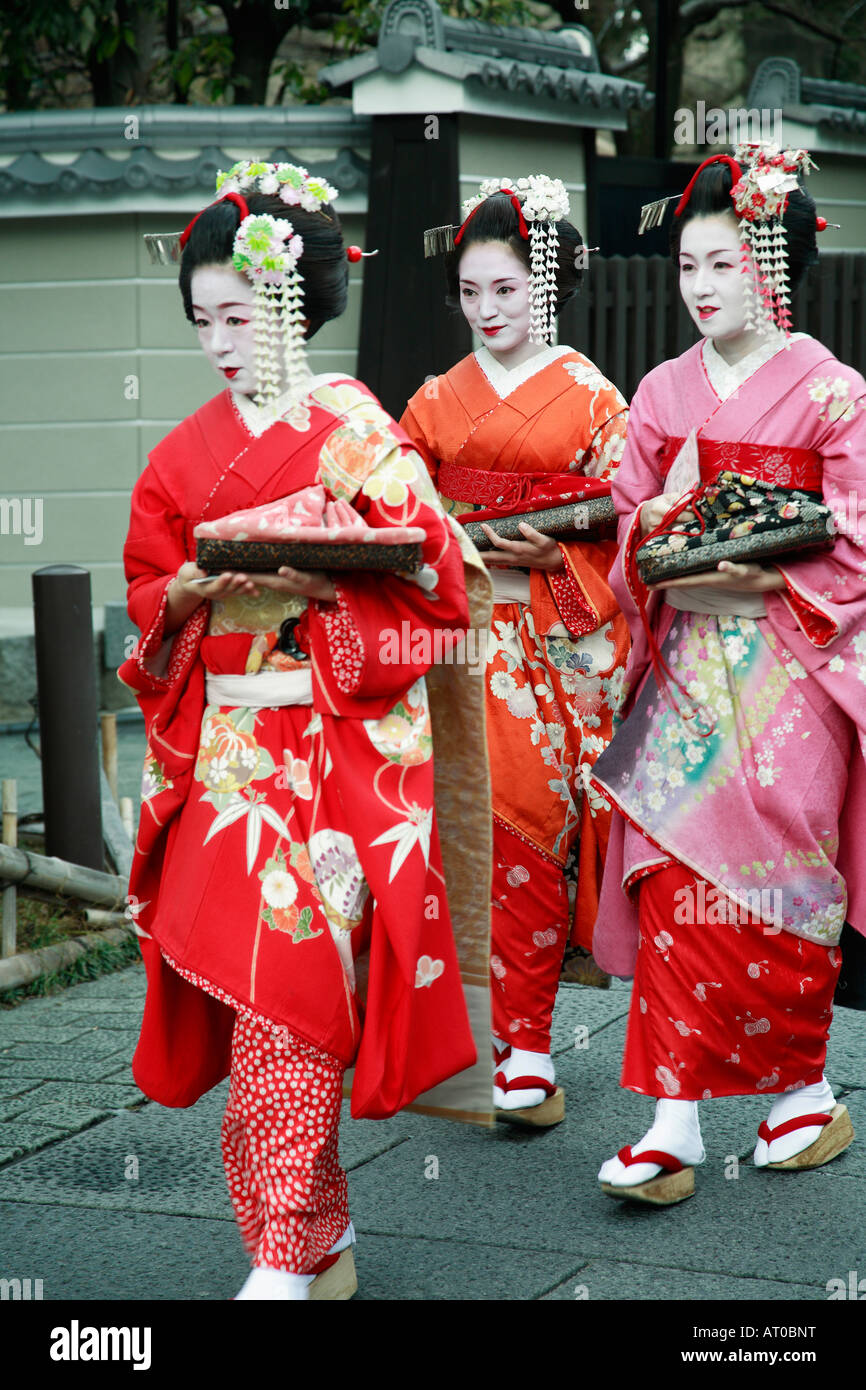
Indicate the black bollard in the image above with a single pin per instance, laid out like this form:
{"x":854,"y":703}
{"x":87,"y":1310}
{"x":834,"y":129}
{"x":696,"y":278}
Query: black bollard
{"x":68,"y":723}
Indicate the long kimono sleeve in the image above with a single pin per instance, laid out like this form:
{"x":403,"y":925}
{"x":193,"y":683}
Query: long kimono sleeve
{"x":826,"y":593}
{"x":637,"y":480}
{"x":423,"y":446}
{"x":156,"y":547}
{"x":582,"y":596}
{"x":386,"y":630}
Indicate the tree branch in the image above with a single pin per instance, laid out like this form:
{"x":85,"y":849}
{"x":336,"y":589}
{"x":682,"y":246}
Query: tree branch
{"x":695,"y":12}
{"x":617,"y":67}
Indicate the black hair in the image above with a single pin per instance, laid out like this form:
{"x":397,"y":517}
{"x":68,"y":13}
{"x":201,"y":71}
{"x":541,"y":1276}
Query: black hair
{"x":711,"y":196}
{"x":323,"y":266}
{"x":496,"y":220}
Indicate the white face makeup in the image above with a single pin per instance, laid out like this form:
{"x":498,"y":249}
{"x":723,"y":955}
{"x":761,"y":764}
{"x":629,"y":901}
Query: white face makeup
{"x":494,"y":297}
{"x":222,"y":301}
{"x":712,"y":285}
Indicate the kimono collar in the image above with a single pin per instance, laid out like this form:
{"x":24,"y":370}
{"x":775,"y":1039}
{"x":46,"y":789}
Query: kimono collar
{"x":505,"y":380}
{"x":726,"y":378}
{"x":290,"y":408}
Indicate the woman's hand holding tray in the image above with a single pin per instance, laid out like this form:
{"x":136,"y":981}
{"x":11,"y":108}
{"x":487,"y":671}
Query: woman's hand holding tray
{"x":569,"y":521}
{"x":742,"y":519}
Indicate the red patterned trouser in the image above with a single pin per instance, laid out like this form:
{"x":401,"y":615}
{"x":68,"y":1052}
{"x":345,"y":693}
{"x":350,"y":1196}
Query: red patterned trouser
{"x":279,"y":1142}
{"x":722,"y":1008}
{"x":528,"y":934}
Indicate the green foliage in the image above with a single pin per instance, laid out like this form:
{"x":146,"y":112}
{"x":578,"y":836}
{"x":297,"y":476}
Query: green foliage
{"x":102,"y":959}
{"x":358,"y":27}
{"x":294,"y":83}
{"x":207,"y":56}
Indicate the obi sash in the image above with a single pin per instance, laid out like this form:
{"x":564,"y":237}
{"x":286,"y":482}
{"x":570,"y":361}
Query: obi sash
{"x":502,"y":494}
{"x":773,"y":463}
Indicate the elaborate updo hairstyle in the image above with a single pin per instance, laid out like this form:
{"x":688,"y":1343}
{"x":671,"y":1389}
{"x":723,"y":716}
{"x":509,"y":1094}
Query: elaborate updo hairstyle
{"x":711,"y":196}
{"x":496,"y":220}
{"x":323,"y":265}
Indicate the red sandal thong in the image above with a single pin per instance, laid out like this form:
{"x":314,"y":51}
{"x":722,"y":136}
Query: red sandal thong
{"x":837,"y":1134}
{"x":673,"y":1185}
{"x":550,"y":1111}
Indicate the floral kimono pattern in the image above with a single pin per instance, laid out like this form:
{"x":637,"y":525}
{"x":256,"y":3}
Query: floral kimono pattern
{"x":276,"y":844}
{"x":554,"y":662}
{"x":749,"y":776}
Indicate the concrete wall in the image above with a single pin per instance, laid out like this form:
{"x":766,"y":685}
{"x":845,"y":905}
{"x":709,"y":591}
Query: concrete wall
{"x":99,"y":363}
{"x":491,"y":148}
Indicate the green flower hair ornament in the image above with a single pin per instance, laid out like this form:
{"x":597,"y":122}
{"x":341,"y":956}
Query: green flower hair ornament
{"x":266,"y":248}
{"x":292,"y":183}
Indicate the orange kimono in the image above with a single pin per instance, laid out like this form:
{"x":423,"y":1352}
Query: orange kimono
{"x":555,"y":655}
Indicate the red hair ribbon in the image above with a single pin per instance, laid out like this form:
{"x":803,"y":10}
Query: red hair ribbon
{"x":521,"y":221}
{"x":229,"y":198}
{"x":736,"y":175}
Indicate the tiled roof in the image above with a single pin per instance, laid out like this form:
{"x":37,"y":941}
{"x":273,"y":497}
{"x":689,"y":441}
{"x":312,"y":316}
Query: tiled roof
{"x":112,"y":164}
{"x":779,"y":83}
{"x":561,"y":64}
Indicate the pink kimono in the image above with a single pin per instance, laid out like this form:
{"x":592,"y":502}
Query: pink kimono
{"x":769,"y":809}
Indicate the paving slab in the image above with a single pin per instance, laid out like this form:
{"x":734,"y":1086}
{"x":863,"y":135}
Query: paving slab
{"x":105,"y":1095}
{"x":81,"y":1254}
{"x":846,"y":1051}
{"x":396,"y":1268}
{"x":68,"y":1118}
{"x":616,"y":1279}
{"x":135,"y":1204}
{"x":177,"y":1165}
{"x":14,"y":1030}
{"x":11,"y":1086}
{"x":92,"y":1042}
{"x":64,"y":1068}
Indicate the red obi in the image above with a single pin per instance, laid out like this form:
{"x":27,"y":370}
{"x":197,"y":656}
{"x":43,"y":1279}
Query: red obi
{"x":772,"y":463}
{"x":502,"y":494}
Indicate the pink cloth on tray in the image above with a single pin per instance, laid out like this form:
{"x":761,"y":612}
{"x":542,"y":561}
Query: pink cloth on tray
{"x":306,"y":515}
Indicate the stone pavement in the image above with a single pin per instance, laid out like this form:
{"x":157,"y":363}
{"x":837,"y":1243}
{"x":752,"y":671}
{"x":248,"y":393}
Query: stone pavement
{"x":104,"y":1195}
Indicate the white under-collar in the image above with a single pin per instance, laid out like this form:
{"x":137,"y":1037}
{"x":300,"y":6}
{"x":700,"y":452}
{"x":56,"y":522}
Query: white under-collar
{"x":503,"y":380}
{"x":291,"y":408}
{"x":725,"y":378}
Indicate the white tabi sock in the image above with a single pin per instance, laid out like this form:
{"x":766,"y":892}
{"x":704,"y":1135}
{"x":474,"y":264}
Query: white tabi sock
{"x":817,"y":1099}
{"x":675,"y":1130}
{"x":273,"y":1284}
{"x":277,"y":1284}
{"x":521,"y":1063}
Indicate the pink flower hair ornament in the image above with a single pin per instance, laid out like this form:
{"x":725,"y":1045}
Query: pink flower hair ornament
{"x":763,"y":177}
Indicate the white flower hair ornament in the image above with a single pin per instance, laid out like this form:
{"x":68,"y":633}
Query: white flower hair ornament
{"x":540,"y":202}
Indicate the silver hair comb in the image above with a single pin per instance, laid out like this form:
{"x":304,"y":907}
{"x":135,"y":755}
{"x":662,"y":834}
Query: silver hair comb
{"x":652,"y":214}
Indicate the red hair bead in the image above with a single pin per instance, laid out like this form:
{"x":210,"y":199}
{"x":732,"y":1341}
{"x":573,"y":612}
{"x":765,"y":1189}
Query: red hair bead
{"x":353,"y":253}
{"x":821,"y":224}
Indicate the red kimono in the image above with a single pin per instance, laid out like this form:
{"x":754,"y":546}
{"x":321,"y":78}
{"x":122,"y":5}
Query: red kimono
{"x":274,"y":844}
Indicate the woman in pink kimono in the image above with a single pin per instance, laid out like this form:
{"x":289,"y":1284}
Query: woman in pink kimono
{"x":736,"y":859}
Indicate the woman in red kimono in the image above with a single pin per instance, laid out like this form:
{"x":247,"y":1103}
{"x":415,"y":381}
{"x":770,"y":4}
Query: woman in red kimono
{"x":737,"y":850}
{"x":517,"y":426}
{"x":288,"y":815}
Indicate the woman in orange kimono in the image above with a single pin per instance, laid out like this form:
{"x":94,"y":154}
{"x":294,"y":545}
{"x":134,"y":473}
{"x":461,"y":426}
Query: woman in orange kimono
{"x":517,"y":426}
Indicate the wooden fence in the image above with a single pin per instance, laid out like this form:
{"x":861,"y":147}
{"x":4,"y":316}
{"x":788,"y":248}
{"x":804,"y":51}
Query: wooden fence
{"x":629,"y":315}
